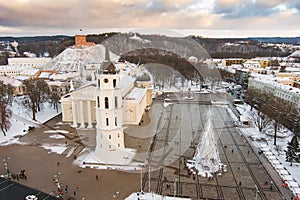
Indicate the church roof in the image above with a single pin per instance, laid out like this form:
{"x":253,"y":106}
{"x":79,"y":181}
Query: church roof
{"x":107,"y":66}
{"x":143,"y":77}
{"x":135,"y":95}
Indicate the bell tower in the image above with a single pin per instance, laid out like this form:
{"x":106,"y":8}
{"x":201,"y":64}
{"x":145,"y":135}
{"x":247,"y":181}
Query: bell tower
{"x":110,"y":147}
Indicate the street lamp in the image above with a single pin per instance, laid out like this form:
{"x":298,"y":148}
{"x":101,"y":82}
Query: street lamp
{"x":115,"y":196}
{"x":256,"y":192}
{"x":5,"y":160}
{"x":175,"y":187}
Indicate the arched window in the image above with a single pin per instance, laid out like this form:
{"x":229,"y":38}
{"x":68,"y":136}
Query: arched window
{"x":114,"y":82}
{"x":118,"y":144}
{"x":116,"y":102}
{"x":106,"y":102}
{"x":109,"y":146}
{"x":98,"y":82}
{"x":107,"y":123}
{"x":109,"y":137}
{"x":98,"y":101}
{"x":116,"y":122}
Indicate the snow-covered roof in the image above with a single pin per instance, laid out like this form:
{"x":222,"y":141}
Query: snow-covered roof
{"x":45,"y":75}
{"x":12,"y":81}
{"x":64,"y":76}
{"x":22,"y":78}
{"x":126,"y":83}
{"x":295,"y":54}
{"x":136,"y":94}
{"x":292,"y":69}
{"x":269,"y":79}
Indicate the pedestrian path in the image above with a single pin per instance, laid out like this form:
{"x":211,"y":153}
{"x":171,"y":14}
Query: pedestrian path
{"x":287,"y":179}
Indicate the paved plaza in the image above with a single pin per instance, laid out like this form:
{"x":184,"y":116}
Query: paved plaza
{"x":248,"y":176}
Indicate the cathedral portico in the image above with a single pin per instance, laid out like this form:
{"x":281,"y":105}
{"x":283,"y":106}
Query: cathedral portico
{"x":74,"y":116}
{"x":82,"y":125}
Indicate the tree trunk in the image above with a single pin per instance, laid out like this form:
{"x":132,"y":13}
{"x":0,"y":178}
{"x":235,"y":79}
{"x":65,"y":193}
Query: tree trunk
{"x":3,"y":131}
{"x":275,"y":133}
{"x":33,"y":112}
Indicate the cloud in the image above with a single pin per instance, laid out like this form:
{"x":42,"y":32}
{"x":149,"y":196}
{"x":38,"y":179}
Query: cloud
{"x":233,"y":9}
{"x":62,"y":16}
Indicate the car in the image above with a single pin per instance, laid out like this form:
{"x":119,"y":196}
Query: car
{"x":31,"y":197}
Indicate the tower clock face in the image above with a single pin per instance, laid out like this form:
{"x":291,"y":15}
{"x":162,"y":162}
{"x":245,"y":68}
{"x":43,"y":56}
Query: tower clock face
{"x":105,"y":80}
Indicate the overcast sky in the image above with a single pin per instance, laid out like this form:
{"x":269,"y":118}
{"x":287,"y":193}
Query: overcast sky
{"x":208,"y":18}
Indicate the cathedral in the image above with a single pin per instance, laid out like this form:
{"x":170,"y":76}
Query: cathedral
{"x":112,"y":100}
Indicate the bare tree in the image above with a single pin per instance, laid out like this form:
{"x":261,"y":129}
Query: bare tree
{"x":54,"y":100}
{"x":37,"y":91}
{"x":261,"y":120}
{"x":6,"y":94}
{"x":277,"y":109}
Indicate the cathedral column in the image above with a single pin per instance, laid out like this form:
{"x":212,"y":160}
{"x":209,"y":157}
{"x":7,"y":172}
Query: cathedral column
{"x":81,"y":114}
{"x":74,"y":114}
{"x":90,"y":125}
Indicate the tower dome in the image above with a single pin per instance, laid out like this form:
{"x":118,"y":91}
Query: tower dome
{"x":143,"y":77}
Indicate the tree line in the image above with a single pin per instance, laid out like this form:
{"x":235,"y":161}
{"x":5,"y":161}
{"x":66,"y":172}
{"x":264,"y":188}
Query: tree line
{"x":274,"y":110}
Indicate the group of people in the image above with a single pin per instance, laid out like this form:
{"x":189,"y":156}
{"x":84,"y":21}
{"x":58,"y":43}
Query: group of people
{"x":20,"y":175}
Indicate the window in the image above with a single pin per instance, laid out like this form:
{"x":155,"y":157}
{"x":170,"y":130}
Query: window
{"x":105,"y":80}
{"x":114,"y":82}
{"x":98,"y":101}
{"x":98,"y":82}
{"x":106,"y":102}
{"x":109,"y":146}
{"x":109,"y":137}
{"x":107,"y":122}
{"x":118,"y":145}
{"x":118,"y":134}
{"x":116,"y":102}
{"x":116,"y":123}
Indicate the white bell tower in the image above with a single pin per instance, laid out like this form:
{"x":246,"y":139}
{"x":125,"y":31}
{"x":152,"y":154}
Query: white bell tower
{"x":109,"y":137}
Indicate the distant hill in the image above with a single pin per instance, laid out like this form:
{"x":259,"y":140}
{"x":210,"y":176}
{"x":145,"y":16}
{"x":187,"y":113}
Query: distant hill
{"x":216,"y":48}
{"x":25,"y":40}
{"x":277,"y":40}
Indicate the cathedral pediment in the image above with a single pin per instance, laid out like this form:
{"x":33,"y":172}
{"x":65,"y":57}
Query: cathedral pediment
{"x":87,"y":93}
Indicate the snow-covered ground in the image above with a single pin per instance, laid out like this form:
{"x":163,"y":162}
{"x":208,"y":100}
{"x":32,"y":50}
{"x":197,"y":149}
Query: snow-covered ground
{"x":152,"y":196}
{"x":22,"y":118}
{"x":264,"y":142}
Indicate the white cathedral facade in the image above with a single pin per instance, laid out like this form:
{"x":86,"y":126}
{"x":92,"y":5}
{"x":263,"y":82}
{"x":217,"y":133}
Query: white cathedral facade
{"x":105,"y":105}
